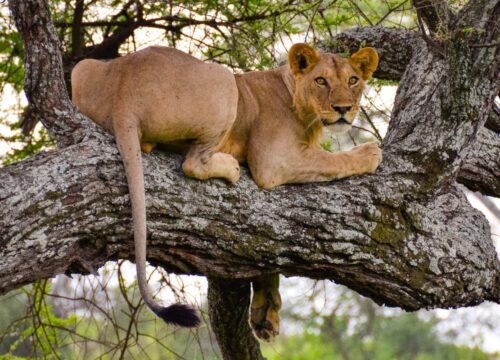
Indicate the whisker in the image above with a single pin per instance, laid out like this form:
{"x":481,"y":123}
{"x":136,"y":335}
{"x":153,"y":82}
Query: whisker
{"x":313,"y":122}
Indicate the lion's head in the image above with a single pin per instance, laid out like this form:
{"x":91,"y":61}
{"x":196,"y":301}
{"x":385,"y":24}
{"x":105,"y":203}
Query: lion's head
{"x":328,"y":88}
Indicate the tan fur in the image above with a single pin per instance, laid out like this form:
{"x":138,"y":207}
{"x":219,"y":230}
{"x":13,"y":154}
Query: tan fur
{"x":272,"y":120}
{"x":365,"y":61}
{"x":266,"y":304}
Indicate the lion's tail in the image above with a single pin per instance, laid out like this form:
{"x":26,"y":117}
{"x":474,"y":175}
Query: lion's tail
{"x":128,"y":144}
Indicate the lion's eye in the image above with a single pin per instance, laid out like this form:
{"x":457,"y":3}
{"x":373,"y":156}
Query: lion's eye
{"x":320,"y":81}
{"x":353,"y":80}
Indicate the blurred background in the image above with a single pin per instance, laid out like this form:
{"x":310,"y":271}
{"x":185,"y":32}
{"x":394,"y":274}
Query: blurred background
{"x":102,"y":316}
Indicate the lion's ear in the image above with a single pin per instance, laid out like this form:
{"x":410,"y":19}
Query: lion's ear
{"x":302,"y":58}
{"x":365,"y":61}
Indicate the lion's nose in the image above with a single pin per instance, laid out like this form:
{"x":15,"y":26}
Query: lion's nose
{"x":341,"y":109}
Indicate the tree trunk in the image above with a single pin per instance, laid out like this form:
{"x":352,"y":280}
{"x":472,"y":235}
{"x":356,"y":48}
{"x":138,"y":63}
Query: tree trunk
{"x":229,"y":302}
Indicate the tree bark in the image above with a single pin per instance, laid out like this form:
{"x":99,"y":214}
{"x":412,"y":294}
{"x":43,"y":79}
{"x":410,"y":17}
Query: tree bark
{"x":68,"y":210}
{"x":481,"y":169}
{"x":229,"y":302}
{"x":405,"y":236}
{"x":43,"y":82}
{"x":394,"y":46}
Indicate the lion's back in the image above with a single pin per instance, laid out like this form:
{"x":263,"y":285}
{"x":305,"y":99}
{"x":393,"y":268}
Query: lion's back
{"x":92,"y":90}
{"x":168,"y":91}
{"x":173,"y":91}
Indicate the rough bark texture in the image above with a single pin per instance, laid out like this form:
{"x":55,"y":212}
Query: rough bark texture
{"x":43,"y":68}
{"x":68,"y":210}
{"x":43,"y":82}
{"x":481,"y":169}
{"x":405,"y":236}
{"x":394,"y":46}
{"x":493,"y":120}
{"x":436,"y":14}
{"x":231,"y":327}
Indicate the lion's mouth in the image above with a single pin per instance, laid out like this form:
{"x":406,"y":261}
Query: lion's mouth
{"x":340,"y":121}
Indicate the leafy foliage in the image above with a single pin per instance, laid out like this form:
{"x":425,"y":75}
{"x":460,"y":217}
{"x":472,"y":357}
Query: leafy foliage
{"x":11,"y":56}
{"x":405,"y":337}
{"x":107,"y":319}
{"x":102,"y":318}
{"x":243,"y":35}
{"x":364,"y":333}
{"x":36,"y":334}
{"x":30,"y":145}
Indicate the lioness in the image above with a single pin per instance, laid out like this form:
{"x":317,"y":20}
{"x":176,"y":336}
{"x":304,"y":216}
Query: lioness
{"x":273,"y":120}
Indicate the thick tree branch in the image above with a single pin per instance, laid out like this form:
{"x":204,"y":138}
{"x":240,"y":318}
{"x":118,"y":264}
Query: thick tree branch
{"x":108,"y":49}
{"x":493,"y":120}
{"x":395,"y":47}
{"x":478,"y":14}
{"x":436,"y":14}
{"x":481,"y":169}
{"x":44,"y":72}
{"x":468,"y":82}
{"x":77,"y":41}
{"x":68,"y":211}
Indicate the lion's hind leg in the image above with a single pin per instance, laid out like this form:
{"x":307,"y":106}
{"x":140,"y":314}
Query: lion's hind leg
{"x":202,"y":163}
{"x":266,"y":304}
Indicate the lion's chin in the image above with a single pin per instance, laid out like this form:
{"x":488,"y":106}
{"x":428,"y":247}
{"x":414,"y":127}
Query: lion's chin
{"x":339,"y":127}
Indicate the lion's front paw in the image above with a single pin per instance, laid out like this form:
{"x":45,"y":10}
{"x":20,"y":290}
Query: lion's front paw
{"x":265,"y":329}
{"x":227,"y":167}
{"x":369,"y":156}
{"x":264,"y":316}
{"x":233,"y":173}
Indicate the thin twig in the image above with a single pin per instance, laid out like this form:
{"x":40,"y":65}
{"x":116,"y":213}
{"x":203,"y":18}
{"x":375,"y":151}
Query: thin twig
{"x":377,"y":133}
{"x":352,"y":139}
{"x":485,"y":45}
{"x":360,"y":12}
{"x":362,"y":128}
{"x":390,"y":11}
{"x":312,"y":19}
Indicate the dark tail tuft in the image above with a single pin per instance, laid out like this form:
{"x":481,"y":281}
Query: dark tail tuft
{"x":179,"y":314}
